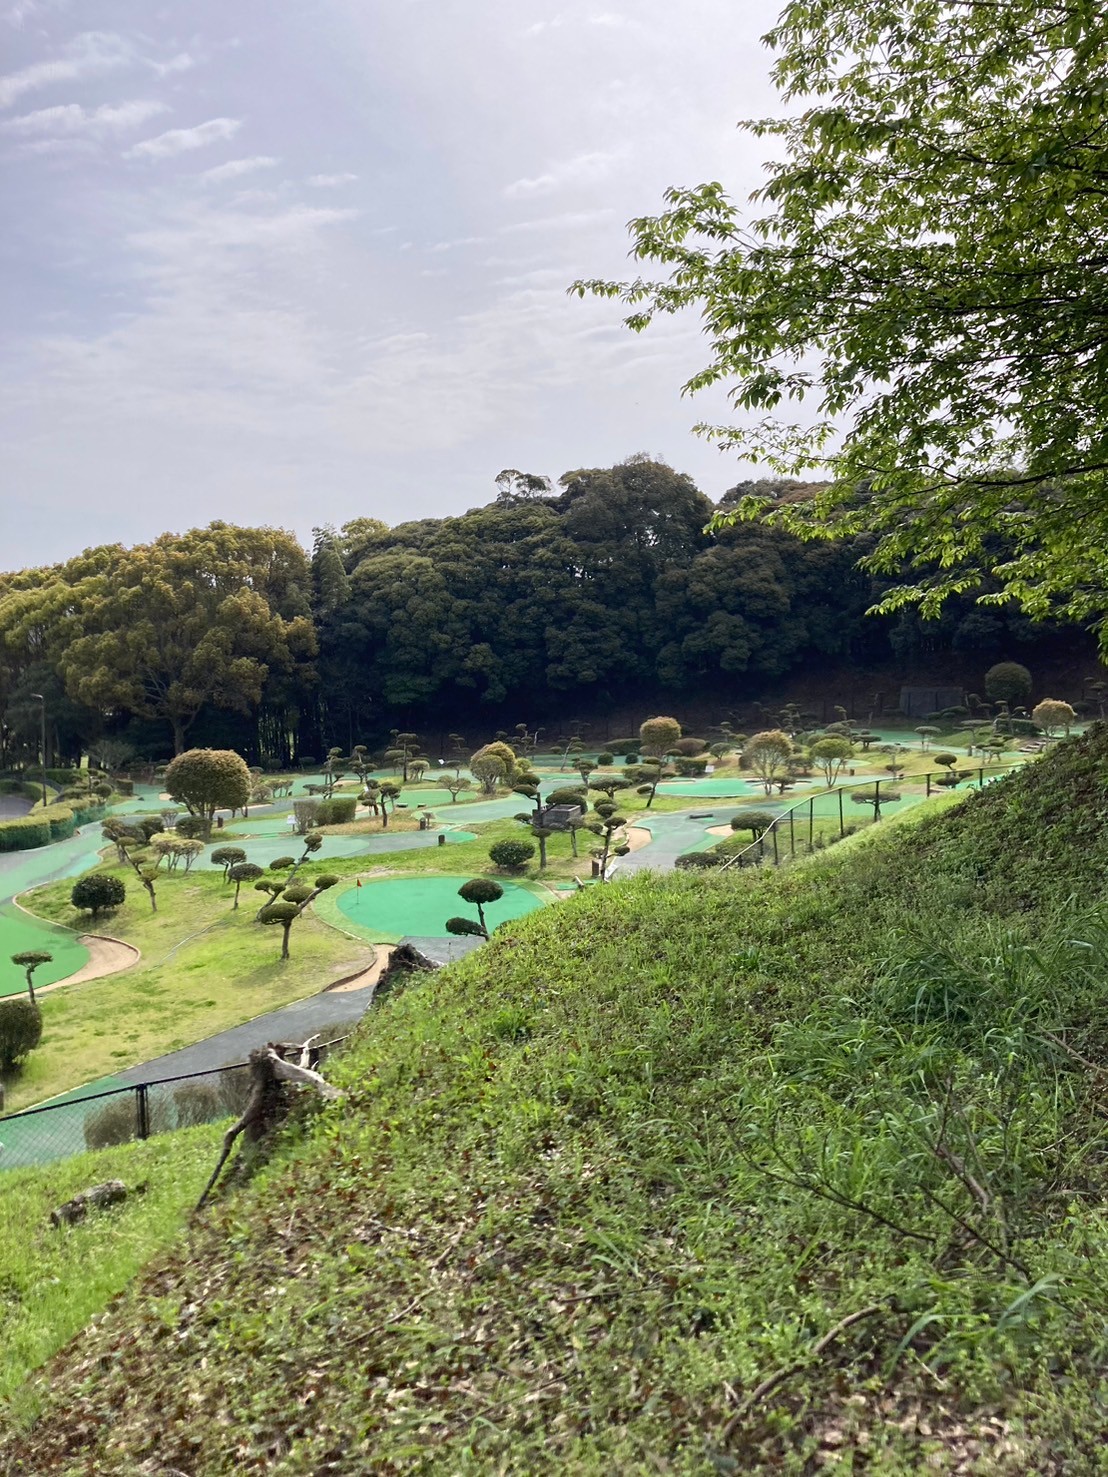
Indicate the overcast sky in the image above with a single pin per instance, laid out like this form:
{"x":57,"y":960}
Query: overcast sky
{"x":300,"y":262}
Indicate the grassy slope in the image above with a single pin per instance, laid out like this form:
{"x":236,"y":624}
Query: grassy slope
{"x":203,"y":968}
{"x":597,"y":1182}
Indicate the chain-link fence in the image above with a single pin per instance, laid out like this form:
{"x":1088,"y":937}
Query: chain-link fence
{"x":120,"y":1115}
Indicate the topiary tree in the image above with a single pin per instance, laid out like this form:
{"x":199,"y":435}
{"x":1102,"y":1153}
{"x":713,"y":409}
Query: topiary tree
{"x":568,"y":795}
{"x":609,"y":784}
{"x":228,"y":857}
{"x":1008,"y":682}
{"x":479,"y":891}
{"x":241,"y":872}
{"x":502,"y":751}
{"x":97,"y":893}
{"x":405,"y":746}
{"x":1052,"y":714}
{"x":304,"y":813}
{"x":945,"y":760}
{"x":754,"y":821}
{"x":767,"y":754}
{"x":289,"y":904}
{"x":190,"y":827}
{"x":829,"y":754}
{"x":689,"y":748}
{"x":647,"y":776}
{"x":926,"y":731}
{"x":605,"y":758}
{"x":658,"y":736}
{"x":489,"y":770}
{"x":207,"y":780}
{"x":456,"y":784}
{"x":606,"y":824}
{"x":167,"y":846}
{"x":29,"y":960}
{"x":876,"y":797}
{"x":511,"y":855}
{"x":20,"y":1030}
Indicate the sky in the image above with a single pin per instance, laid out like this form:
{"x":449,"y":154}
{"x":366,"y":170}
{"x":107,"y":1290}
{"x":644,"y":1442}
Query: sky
{"x":299,"y":263}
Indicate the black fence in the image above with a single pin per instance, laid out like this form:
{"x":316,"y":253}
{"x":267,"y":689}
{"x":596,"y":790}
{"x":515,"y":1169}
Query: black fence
{"x":125,"y":1114}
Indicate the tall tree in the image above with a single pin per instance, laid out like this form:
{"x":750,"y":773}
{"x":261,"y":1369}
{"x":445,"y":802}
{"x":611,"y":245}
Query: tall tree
{"x":164,"y":629}
{"x":929,"y":268}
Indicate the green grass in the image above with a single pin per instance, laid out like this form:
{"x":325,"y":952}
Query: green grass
{"x":592,"y":1186}
{"x":53,"y":1279}
{"x":203,"y":968}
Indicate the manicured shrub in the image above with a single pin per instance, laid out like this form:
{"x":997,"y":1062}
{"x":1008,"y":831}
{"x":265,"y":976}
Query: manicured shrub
{"x":191,"y":827}
{"x":690,"y":768}
{"x":606,"y":758}
{"x":97,"y":892}
{"x":689,"y":747}
{"x":336,"y":811}
{"x":658,"y":735}
{"x":1008,"y":682}
{"x":511,"y":855}
{"x":1052,"y":714}
{"x":754,"y":821}
{"x":25,"y":832}
{"x":694,"y":861}
{"x":568,"y":795}
{"x":20,"y":1030}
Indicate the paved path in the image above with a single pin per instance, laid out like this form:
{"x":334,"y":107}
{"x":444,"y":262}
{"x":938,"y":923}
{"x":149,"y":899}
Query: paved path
{"x":330,"y":1013}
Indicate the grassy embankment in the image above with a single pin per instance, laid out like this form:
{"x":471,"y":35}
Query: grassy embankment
{"x":203,"y":968}
{"x":768,"y":1172}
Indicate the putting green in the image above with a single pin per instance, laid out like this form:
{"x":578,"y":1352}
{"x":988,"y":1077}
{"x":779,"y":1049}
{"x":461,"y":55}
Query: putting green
{"x":390,"y":908}
{"x":19,"y":933}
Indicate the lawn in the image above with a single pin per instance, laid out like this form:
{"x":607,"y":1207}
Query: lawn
{"x":203,"y":968}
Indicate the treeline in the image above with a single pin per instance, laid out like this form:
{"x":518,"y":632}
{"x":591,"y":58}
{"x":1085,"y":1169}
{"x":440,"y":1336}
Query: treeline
{"x":547,"y":602}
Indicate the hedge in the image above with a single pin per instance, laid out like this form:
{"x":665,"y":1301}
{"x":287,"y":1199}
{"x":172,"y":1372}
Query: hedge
{"x":41,"y":827}
{"x":336,"y":811}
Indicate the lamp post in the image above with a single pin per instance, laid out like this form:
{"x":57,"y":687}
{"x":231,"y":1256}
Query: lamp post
{"x":42,"y":704}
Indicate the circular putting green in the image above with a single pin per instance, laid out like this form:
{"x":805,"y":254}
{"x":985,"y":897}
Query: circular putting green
{"x":19,"y":934}
{"x":392,"y":907}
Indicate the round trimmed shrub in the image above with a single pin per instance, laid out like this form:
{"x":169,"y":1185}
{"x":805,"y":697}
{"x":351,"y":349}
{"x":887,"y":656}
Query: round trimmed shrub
{"x":482,"y":889}
{"x":606,"y":758}
{"x":754,"y":821}
{"x":1008,"y":682}
{"x":511,"y":855}
{"x":20,"y":1030}
{"x":97,"y":893}
{"x":694,"y":861}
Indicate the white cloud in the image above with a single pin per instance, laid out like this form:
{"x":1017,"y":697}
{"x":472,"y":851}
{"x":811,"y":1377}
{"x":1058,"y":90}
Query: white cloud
{"x":182,"y":62}
{"x":581,"y":169}
{"x":181,"y":140}
{"x":72,"y":119}
{"x":89,"y":53}
{"x":460,"y":241}
{"x":234,"y":167}
{"x":329,"y":181}
{"x":611,"y":21}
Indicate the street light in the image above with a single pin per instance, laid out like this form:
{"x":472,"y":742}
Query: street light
{"x":42,"y":701}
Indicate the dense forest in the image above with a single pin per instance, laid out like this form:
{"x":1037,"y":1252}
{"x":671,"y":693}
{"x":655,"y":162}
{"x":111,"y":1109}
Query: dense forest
{"x":548,"y":603}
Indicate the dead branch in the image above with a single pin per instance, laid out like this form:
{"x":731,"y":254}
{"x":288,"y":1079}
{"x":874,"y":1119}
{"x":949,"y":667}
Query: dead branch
{"x":268,"y":1102}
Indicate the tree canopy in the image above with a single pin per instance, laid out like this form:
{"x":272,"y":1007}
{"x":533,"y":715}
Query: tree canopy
{"x":925,"y":268}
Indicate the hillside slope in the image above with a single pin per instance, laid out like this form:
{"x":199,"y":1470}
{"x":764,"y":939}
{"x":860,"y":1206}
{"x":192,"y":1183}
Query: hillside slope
{"x":696,"y":1174}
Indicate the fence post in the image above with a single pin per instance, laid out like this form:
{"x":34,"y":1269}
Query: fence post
{"x":792,"y":836}
{"x":143,"y":1111}
{"x":776,"y":858}
{"x":842,"y":828}
{"x":927,"y":777}
{"x":980,"y":779}
{"x":811,"y":822}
